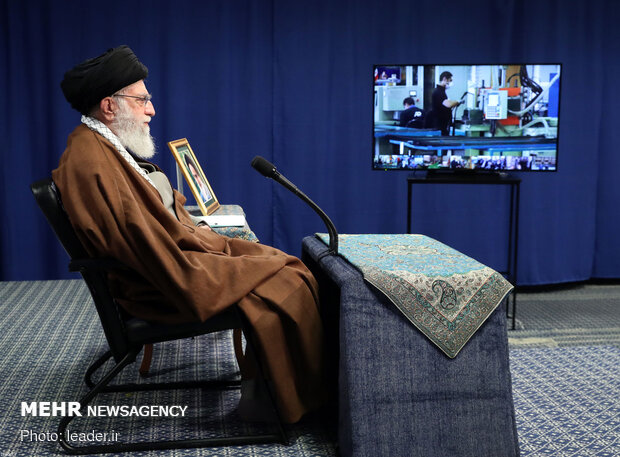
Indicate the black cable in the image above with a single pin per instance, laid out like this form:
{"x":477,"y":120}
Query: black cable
{"x":527,"y":82}
{"x":511,"y":76}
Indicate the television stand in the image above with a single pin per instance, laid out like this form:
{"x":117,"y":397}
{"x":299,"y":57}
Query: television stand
{"x":493,"y":178}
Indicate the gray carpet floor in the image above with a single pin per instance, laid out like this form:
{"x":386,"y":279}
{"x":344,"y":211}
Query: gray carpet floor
{"x":564,"y":355}
{"x":565,"y":364}
{"x":576,"y":315}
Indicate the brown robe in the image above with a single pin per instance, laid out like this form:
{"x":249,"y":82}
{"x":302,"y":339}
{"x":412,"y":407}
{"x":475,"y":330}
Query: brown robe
{"x":186,"y":273}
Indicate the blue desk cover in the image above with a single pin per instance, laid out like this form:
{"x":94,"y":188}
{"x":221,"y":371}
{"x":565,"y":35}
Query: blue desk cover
{"x":398,"y":395}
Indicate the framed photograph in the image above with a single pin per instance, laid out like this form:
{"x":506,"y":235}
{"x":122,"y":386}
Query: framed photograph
{"x":195,"y":177}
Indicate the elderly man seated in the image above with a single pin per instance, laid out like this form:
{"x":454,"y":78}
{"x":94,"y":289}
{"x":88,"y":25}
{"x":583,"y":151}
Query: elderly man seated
{"x":122,"y":206}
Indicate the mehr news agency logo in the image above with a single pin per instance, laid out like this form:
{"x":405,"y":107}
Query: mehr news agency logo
{"x":73,"y":408}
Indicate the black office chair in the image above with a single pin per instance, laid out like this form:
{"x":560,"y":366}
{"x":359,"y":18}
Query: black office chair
{"x":127,"y":335}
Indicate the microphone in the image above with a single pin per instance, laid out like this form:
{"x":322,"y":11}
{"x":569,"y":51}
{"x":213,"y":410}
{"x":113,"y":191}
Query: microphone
{"x":267,"y":169}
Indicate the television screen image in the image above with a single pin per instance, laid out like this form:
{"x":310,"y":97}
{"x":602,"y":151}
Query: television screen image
{"x":466,"y":117}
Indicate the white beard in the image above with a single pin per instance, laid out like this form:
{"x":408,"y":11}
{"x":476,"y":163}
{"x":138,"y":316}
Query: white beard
{"x":132,"y":134}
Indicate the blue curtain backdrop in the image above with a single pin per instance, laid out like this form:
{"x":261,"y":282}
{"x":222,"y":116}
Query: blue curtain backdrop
{"x":291,"y":81}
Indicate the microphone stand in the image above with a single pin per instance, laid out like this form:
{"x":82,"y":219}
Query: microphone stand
{"x":333,"y":234}
{"x":267,"y":169}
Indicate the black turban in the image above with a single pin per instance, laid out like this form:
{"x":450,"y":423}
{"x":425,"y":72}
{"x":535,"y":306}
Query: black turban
{"x":88,"y":83}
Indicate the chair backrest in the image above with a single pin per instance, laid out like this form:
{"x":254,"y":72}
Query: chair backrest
{"x":49,"y":200}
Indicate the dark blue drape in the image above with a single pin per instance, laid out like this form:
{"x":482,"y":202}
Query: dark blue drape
{"x":291,"y":81}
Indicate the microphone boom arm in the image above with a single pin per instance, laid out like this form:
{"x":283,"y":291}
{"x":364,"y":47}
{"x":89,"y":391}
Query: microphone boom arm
{"x":268,"y":170}
{"x":331,"y":229}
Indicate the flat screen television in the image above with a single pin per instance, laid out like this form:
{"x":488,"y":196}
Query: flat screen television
{"x":466,"y":118}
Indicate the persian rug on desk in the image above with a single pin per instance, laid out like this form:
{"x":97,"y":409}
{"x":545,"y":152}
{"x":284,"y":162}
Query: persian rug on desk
{"x":442,"y":292}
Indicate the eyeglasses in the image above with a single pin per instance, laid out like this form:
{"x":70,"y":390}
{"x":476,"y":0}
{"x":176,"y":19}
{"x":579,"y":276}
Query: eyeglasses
{"x":144,"y":99}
